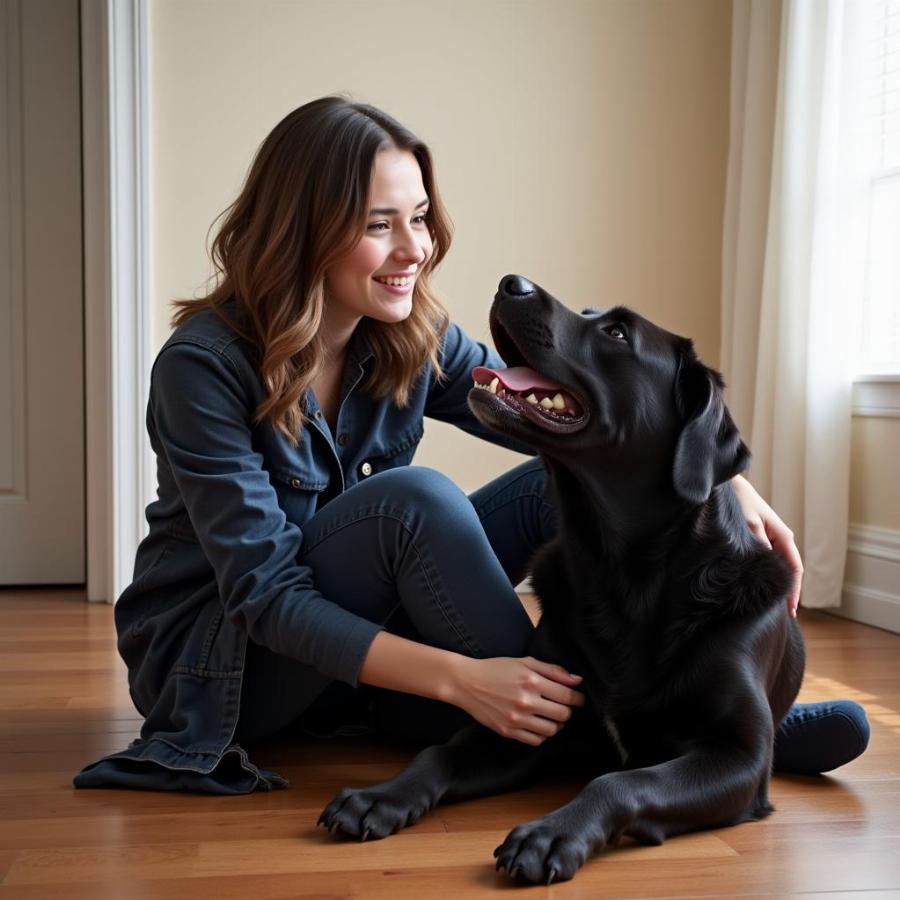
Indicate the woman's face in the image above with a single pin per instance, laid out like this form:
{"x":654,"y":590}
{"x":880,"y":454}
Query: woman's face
{"x":377,"y":277}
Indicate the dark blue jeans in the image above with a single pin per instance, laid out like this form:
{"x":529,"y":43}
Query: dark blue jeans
{"x":409,"y":549}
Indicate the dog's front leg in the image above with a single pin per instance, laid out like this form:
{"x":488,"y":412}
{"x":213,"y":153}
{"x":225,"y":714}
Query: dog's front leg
{"x":707,"y":787}
{"x":475,"y":762}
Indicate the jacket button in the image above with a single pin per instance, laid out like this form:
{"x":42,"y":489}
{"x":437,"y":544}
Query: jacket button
{"x":318,"y":413}
{"x":366,"y":468}
{"x":342,"y":438}
{"x":295,"y":482}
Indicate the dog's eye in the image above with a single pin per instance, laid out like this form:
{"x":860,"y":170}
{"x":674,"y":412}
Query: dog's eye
{"x":616,"y":331}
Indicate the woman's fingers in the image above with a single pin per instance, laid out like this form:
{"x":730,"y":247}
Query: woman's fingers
{"x":553,"y":697}
{"x":783,"y":542}
{"x":555,"y":712}
{"x":538,"y":725}
{"x":535,"y":728}
{"x":556,"y":694}
{"x":551,"y":670}
{"x":526,"y":737}
{"x":758,"y":527}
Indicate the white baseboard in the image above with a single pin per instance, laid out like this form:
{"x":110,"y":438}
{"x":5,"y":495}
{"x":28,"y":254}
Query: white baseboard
{"x":871,"y":592}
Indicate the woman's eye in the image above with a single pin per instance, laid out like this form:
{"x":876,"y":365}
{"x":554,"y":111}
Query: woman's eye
{"x":378,"y":226}
{"x":420,"y":219}
{"x":616,"y":331}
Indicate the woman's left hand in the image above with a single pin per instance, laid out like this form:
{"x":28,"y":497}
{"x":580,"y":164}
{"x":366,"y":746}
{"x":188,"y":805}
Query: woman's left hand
{"x":768,"y":527}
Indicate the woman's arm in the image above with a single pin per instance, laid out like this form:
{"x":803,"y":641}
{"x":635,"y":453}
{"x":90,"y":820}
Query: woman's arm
{"x":199,"y":418}
{"x":525,"y":699}
{"x":769,"y":528}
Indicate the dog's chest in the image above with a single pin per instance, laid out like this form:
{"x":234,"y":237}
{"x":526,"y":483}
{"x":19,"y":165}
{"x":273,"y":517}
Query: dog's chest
{"x":617,"y":644}
{"x":619,"y":665}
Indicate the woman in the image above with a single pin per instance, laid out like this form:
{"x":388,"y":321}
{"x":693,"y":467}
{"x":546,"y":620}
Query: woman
{"x":297,"y":568}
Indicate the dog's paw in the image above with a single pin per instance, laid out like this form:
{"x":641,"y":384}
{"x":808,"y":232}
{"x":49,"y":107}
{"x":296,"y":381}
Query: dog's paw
{"x":371,"y":813}
{"x":543,"y":851}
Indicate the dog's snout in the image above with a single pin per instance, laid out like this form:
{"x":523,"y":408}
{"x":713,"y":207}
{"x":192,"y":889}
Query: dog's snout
{"x":516,"y":285}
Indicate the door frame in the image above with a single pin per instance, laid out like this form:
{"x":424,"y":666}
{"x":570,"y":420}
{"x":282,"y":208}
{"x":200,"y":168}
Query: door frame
{"x":119,"y":468}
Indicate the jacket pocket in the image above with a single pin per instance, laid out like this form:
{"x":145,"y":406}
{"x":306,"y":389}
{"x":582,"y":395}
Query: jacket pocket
{"x":400,"y":453}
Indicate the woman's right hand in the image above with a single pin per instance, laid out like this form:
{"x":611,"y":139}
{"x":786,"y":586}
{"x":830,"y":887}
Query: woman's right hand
{"x":524,"y":699}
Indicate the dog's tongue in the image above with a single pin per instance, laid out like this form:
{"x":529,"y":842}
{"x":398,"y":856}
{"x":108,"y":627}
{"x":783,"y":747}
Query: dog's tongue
{"x":518,"y":378}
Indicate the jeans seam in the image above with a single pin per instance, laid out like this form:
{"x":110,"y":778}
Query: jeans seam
{"x":342,"y":522}
{"x":469,"y":642}
{"x":524,"y":475}
{"x":511,"y":500}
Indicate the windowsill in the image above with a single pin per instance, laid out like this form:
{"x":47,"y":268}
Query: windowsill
{"x":877,"y":395}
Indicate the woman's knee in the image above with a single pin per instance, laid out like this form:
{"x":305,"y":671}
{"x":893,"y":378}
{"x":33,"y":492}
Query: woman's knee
{"x":422,"y":488}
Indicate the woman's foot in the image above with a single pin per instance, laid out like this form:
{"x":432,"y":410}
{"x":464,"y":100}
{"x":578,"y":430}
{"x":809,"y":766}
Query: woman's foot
{"x":819,"y":737}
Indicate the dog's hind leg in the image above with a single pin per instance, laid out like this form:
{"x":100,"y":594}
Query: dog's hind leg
{"x":475,"y":762}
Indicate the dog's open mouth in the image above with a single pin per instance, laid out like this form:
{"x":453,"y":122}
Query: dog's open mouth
{"x":541,"y":400}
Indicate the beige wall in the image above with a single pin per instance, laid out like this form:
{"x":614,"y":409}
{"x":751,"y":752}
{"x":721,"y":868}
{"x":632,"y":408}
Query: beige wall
{"x":583,"y":144}
{"x":874,"y":471}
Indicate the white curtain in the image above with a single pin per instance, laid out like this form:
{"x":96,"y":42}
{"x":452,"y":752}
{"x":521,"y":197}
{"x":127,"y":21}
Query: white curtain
{"x":792,"y":265}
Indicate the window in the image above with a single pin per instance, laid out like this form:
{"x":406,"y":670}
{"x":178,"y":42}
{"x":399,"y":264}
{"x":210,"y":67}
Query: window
{"x":879,"y":348}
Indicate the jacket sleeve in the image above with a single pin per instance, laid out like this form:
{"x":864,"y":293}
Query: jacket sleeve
{"x":447,"y":400}
{"x":201,"y":412}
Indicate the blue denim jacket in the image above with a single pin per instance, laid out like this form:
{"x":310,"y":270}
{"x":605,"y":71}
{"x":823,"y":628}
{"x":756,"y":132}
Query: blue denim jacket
{"x":219,"y":562}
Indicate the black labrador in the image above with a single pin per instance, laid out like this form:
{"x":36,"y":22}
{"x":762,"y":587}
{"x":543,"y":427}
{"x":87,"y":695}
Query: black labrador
{"x":655,"y":590}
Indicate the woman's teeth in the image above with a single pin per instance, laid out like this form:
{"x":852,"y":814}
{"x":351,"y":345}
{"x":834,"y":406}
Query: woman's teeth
{"x":396,"y":282}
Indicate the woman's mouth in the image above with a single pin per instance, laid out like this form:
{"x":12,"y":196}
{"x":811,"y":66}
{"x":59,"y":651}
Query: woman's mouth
{"x":396,"y":284}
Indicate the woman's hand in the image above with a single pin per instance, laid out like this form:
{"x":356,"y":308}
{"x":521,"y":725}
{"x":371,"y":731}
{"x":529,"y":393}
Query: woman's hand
{"x":766,"y":525}
{"x":525,"y":699}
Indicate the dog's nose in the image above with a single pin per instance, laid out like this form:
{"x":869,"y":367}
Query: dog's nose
{"x":517,"y":286}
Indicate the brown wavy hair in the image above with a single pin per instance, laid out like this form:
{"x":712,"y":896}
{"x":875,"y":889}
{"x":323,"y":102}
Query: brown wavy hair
{"x":302,"y":207}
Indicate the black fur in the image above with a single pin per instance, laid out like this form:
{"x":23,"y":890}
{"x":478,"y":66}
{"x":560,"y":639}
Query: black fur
{"x":655,"y":590}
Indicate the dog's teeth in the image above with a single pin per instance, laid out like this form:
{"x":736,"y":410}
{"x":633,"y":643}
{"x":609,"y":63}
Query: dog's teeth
{"x":532,"y":399}
{"x":492,"y":387}
{"x":546,"y":403}
{"x":558,"y":402}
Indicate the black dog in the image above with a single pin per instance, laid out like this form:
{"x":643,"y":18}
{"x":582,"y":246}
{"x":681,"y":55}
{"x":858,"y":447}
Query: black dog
{"x":655,"y":590}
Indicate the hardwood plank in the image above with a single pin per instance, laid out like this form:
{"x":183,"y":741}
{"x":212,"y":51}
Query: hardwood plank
{"x":64,"y":701}
{"x":311,"y":851}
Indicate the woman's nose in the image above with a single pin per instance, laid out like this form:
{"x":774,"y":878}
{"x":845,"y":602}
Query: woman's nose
{"x":410,"y":248}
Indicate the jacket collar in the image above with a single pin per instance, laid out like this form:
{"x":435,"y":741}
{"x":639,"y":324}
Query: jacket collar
{"x":359,"y":350}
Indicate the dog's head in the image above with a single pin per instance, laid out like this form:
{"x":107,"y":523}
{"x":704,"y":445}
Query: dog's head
{"x":611,"y":386}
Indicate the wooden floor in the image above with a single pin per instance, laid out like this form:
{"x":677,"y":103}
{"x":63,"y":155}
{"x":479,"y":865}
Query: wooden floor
{"x":63,"y":701}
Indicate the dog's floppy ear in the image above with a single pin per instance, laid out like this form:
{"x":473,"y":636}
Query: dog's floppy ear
{"x":709,"y":449}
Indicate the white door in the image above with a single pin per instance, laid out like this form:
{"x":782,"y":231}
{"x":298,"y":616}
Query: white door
{"x":41,"y":306}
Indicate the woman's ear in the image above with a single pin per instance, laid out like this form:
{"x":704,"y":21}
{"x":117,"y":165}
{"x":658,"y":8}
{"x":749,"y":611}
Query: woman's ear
{"x":709,"y":449}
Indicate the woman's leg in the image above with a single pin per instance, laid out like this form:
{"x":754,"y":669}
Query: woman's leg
{"x":404,"y":546}
{"x":516,"y":518}
{"x":517,"y":515}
